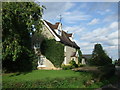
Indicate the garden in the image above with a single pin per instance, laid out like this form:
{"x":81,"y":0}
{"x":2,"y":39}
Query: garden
{"x":19,"y":62}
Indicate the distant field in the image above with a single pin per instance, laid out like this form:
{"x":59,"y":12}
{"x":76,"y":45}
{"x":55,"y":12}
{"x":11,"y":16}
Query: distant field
{"x":50,"y":79}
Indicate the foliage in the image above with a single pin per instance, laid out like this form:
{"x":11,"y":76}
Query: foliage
{"x":54,"y":51}
{"x":17,"y":21}
{"x":99,"y":57}
{"x":73,"y":64}
{"x":80,"y":56}
{"x":107,"y":71}
{"x":81,"y":65}
{"x":66,"y":67}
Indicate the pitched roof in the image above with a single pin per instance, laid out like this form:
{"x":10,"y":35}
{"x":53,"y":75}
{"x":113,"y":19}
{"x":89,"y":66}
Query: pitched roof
{"x":69,"y":35}
{"x":55,"y":26}
{"x":64,"y":38}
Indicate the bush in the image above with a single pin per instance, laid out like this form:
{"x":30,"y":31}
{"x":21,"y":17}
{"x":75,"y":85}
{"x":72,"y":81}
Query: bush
{"x":66,"y":67}
{"x":73,"y":64}
{"x":81,"y":65}
{"x":107,"y":71}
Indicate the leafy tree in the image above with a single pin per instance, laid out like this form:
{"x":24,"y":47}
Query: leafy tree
{"x":99,"y":57}
{"x":17,"y":21}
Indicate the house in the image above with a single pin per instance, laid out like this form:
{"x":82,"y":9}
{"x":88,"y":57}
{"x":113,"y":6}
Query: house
{"x":85,"y":57}
{"x":54,"y":31}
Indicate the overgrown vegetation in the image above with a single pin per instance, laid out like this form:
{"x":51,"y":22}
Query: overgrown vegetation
{"x":106,"y":71}
{"x":17,"y":21}
{"x":54,"y":51}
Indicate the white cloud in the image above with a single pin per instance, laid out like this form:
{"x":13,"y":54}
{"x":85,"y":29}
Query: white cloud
{"x":102,"y":34}
{"x":113,"y":35}
{"x":112,"y":51}
{"x":74,"y":29}
{"x":114,"y":25}
{"x":110,"y":18}
{"x":94,"y":21}
{"x":107,"y":36}
{"x":54,"y":9}
{"x":107,"y":10}
{"x":103,"y":12}
{"x":74,"y":16}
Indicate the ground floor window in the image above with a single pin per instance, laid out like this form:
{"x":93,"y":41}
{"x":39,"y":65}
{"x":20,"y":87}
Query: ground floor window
{"x":41,"y":60}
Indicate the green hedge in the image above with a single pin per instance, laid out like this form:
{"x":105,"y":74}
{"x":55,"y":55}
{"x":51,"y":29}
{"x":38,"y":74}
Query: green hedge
{"x":107,"y":71}
{"x":54,"y":51}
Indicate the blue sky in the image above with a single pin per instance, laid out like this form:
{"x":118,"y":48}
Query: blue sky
{"x":91,"y":23}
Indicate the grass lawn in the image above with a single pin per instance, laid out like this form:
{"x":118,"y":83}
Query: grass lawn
{"x":50,"y":79}
{"x":40,"y":75}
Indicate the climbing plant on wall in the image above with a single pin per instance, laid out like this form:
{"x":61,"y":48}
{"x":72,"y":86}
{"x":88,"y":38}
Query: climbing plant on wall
{"x":80,"y":56}
{"x":54,"y":51}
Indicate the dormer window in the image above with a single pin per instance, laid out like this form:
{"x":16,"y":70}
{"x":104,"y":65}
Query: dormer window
{"x":71,"y":38}
{"x":59,"y":32}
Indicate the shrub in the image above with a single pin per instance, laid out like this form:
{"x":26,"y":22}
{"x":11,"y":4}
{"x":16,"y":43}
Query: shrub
{"x":107,"y":71}
{"x":81,"y":65}
{"x":66,"y":67}
{"x":73,"y":64}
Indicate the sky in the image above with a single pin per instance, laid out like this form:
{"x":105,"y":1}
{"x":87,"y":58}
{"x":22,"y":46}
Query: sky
{"x":90,"y":23}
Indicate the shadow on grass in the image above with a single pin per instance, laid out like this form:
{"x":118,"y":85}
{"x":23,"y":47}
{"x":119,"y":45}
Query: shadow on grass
{"x":19,"y":73}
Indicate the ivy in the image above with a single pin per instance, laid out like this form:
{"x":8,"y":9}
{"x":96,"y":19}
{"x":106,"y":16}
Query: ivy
{"x":54,"y":51}
{"x":80,"y":56}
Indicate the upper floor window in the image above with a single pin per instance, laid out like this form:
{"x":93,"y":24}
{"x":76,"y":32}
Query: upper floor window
{"x":59,"y":32}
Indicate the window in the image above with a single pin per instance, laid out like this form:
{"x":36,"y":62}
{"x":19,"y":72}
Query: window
{"x":41,"y":60}
{"x":59,"y":32}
